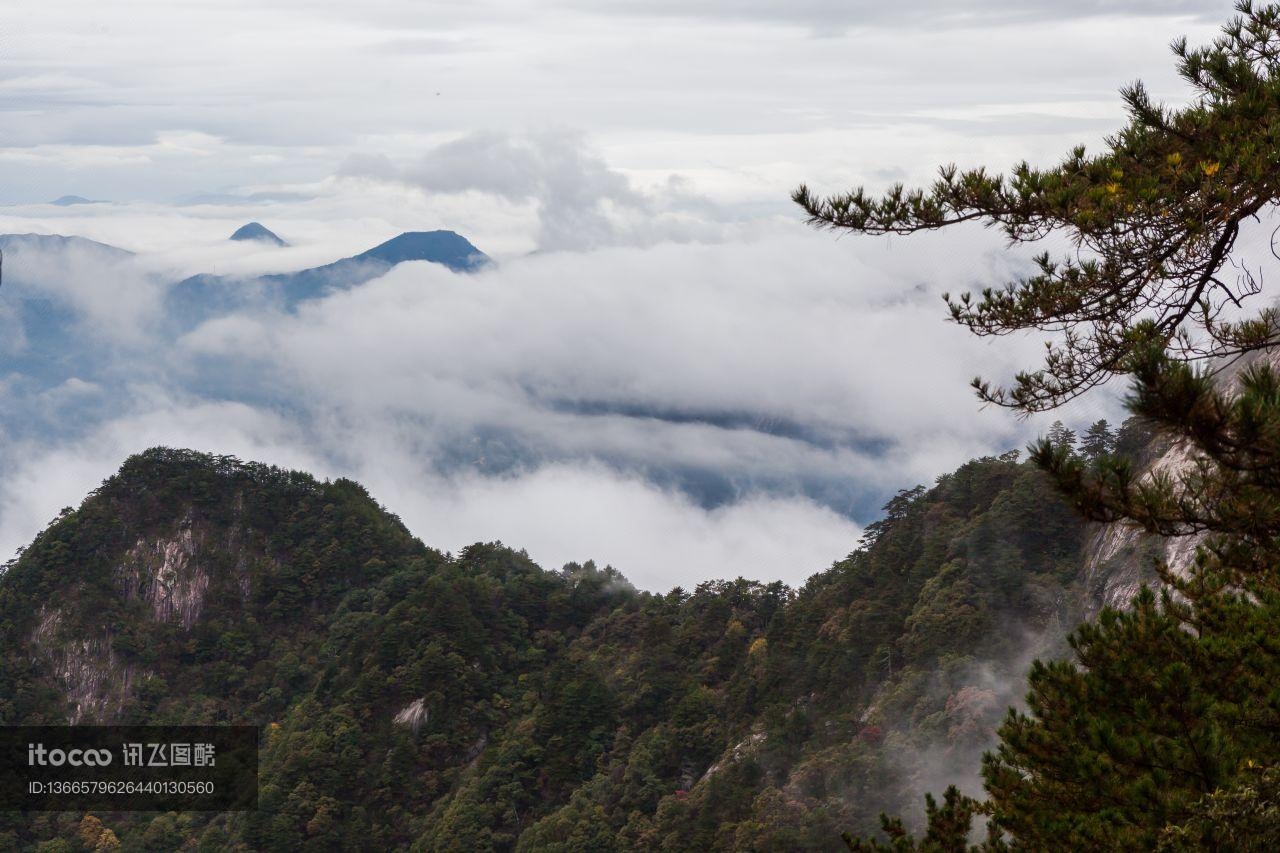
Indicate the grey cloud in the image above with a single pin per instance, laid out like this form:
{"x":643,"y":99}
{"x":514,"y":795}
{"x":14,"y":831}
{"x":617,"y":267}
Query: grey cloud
{"x":581,"y":202}
{"x":823,"y":14}
{"x":750,"y":109}
{"x":735,"y":367}
{"x":746,"y":403}
{"x":546,"y":166}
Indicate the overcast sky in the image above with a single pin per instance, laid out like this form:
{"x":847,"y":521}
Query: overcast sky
{"x":628,"y":163}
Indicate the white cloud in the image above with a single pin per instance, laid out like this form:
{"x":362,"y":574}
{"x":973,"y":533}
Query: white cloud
{"x":793,"y":328}
{"x":659,"y":539}
{"x":679,"y":323}
{"x":558,"y":513}
{"x":532,"y":400}
{"x":776,"y":380}
{"x":744,"y":94}
{"x":580,"y":201}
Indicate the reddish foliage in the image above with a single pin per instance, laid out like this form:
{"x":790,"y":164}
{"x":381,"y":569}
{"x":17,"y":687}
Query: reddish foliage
{"x":871,"y":734}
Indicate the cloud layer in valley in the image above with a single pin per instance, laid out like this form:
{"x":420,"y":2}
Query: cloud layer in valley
{"x":664,"y":370}
{"x":682,"y":410}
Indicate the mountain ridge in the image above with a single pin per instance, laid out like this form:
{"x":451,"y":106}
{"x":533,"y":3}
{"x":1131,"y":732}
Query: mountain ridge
{"x":71,"y":200}
{"x":59,"y":242}
{"x":200,"y":297}
{"x":530,"y":707}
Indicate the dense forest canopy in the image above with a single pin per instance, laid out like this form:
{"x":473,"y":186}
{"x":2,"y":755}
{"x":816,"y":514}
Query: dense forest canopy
{"x":475,"y":701}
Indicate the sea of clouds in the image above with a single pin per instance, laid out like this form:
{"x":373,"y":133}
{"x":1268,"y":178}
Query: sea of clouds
{"x":641,"y":379}
{"x":665,"y":369}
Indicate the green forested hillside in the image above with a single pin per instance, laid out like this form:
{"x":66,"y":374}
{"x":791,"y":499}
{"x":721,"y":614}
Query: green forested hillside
{"x":476,"y":701}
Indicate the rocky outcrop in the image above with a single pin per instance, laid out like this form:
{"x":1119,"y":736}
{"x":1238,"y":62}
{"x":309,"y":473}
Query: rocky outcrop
{"x":167,"y":573}
{"x":95,"y":682}
{"x":413,"y":715}
{"x":171,"y":574}
{"x":1120,"y":558}
{"x":734,"y":754}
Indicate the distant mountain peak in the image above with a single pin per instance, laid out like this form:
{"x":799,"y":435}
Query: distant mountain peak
{"x":442,"y":247}
{"x":68,"y":200}
{"x":58,"y":243}
{"x":259,"y":232}
{"x":202,"y":296}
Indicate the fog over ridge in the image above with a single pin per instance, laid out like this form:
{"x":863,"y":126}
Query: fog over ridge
{"x":704,"y":383}
{"x":659,"y":329}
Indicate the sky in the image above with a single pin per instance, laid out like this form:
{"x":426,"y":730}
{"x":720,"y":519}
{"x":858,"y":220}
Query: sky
{"x":664,"y":370}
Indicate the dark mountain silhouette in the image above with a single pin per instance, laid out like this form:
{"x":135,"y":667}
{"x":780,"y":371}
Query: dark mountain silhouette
{"x":203,"y":296}
{"x":69,"y":200}
{"x":257,"y":232}
{"x":441,"y":247}
{"x":17,"y":244}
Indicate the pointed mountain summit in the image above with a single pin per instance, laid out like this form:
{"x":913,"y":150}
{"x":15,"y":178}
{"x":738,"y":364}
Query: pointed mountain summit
{"x":258,"y":232}
{"x":69,"y":200}
{"x":439,"y":247}
{"x":200,"y":297}
{"x":442,"y":247}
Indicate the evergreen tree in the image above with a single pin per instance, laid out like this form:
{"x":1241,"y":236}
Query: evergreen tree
{"x":948,"y":828}
{"x":1098,"y":440}
{"x":1154,"y":217}
{"x":1163,"y":730}
{"x":1061,"y":436}
{"x":1174,"y":699}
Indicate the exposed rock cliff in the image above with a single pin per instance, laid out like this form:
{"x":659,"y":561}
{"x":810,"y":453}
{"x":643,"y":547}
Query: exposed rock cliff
{"x":95,"y":682}
{"x":1120,"y":558}
{"x":170,"y":574}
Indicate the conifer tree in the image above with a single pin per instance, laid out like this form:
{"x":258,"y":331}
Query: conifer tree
{"x":1153,"y":219}
{"x":1061,"y":436}
{"x":1098,"y":439}
{"x":1175,"y":700}
{"x":1165,"y":729}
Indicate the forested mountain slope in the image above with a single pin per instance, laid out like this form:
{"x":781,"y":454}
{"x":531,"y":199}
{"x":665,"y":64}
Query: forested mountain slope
{"x":476,"y":701}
